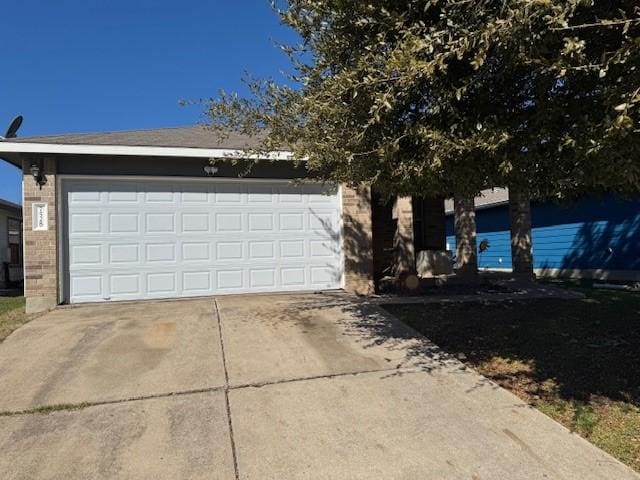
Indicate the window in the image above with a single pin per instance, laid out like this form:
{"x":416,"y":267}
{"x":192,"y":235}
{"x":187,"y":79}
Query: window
{"x":428,"y":223}
{"x":14,"y":232}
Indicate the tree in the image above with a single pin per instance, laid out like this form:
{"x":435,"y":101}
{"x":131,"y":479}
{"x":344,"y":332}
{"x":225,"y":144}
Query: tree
{"x":435,"y":97}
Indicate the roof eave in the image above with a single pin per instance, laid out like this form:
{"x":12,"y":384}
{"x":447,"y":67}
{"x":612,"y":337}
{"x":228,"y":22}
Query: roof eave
{"x":8,"y":147}
{"x":484,"y":206}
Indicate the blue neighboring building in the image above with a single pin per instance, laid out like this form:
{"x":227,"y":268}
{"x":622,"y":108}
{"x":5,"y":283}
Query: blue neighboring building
{"x":589,"y":238}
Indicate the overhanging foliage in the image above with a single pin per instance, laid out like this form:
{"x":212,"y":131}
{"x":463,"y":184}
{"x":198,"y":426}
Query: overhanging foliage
{"x":429,"y":97}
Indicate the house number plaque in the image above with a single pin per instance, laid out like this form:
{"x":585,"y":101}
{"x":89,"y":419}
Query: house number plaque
{"x":40,"y":217}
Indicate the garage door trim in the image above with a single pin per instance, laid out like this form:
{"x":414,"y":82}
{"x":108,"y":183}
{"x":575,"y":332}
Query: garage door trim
{"x":62,"y":210}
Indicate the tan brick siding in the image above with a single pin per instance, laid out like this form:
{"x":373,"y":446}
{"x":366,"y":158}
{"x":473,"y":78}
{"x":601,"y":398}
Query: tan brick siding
{"x":40,"y":247}
{"x":358,"y":240}
{"x":403,"y":239}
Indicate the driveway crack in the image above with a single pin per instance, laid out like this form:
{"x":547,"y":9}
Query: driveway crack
{"x":226,"y":391}
{"x":354,"y":373}
{"x":65,"y":407}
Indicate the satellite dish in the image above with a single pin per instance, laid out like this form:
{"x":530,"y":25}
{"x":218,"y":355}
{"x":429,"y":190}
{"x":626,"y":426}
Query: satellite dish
{"x":13,"y":127}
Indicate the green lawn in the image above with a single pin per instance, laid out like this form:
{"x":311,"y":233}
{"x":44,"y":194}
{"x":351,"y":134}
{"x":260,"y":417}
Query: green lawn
{"x":12,"y":315}
{"x":578,"y":361}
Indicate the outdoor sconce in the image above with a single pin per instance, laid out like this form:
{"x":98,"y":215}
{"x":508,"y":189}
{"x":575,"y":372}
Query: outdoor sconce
{"x":210,"y":170}
{"x":38,"y":176}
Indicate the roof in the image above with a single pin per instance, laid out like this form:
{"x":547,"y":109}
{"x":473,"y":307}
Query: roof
{"x":491,"y":197}
{"x":197,"y":141}
{"x":198,"y":136}
{"x":7,"y":205}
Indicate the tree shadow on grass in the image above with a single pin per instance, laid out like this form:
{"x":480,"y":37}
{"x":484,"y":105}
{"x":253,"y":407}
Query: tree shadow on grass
{"x":574,"y":349}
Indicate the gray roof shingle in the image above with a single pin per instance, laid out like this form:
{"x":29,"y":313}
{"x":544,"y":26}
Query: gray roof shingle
{"x":189,"y":137}
{"x":7,"y":205}
{"x":487,"y":198}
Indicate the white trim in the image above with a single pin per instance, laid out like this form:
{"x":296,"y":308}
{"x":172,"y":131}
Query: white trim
{"x":24,"y":245}
{"x":133,"y":150}
{"x":62,"y":256}
{"x":62,"y":210}
{"x":343,"y":278}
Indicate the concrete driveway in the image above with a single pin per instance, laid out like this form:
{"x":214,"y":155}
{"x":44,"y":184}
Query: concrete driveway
{"x":263,"y":387}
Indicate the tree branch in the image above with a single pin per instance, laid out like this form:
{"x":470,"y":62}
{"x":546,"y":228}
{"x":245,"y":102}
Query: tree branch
{"x":607,"y":23}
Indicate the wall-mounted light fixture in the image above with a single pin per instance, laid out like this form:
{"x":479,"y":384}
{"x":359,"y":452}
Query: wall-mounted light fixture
{"x":38,"y":176}
{"x":210,"y":170}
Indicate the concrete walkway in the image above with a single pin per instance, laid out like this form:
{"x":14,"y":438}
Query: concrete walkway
{"x":263,"y":387}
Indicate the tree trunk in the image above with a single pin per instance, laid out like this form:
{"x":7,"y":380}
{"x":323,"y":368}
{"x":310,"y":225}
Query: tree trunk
{"x":465,"y":227}
{"x":520,"y":217}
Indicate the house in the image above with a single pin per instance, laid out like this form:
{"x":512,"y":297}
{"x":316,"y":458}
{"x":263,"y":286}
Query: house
{"x":593,"y":237}
{"x":141,"y":215}
{"x":147,"y":214}
{"x":10,"y":243}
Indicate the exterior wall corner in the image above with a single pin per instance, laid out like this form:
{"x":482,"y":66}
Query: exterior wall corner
{"x":357,"y":240}
{"x":40,"y":246}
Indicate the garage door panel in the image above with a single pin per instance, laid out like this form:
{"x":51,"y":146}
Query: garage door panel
{"x":160,"y":194}
{"x":230,"y":251}
{"x":196,"y":251}
{"x":261,"y":222}
{"x":231,"y":193}
{"x":85,"y":223}
{"x":260,"y":194}
{"x":196,"y":282}
{"x":262,"y":278}
{"x":125,"y":284}
{"x":195,"y":222}
{"x":86,"y":254}
{"x":229,"y":223}
{"x":162,"y":284}
{"x":161,"y":239}
{"x":87,"y":286}
{"x":124,"y":253}
{"x":164,"y":252}
{"x":123,"y":223}
{"x":230,"y":279}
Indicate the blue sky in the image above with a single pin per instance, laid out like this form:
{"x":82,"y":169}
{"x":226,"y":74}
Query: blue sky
{"x":100,"y":65}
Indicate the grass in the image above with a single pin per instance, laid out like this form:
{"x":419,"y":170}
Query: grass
{"x":578,"y":361}
{"x":62,"y":407}
{"x":12,"y":315}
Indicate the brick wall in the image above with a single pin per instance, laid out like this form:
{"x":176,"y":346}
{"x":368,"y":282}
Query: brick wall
{"x":358,"y":246}
{"x":404,"y":252}
{"x":40,"y":247}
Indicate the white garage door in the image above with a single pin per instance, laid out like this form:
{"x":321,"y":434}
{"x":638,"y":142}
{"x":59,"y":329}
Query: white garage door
{"x":139,"y":239}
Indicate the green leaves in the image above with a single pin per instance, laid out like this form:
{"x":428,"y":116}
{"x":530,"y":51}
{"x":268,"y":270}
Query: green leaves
{"x":436,"y":96}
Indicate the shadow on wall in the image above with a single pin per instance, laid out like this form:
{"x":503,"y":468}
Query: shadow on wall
{"x":614,"y":247}
{"x":591,"y":233}
{"x":594,"y":235}
{"x":356,"y":240}
{"x":330,"y":244}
